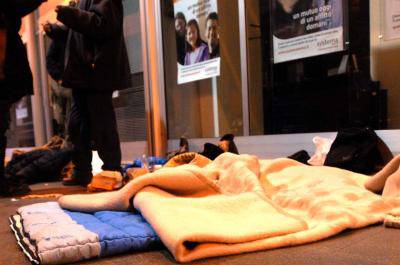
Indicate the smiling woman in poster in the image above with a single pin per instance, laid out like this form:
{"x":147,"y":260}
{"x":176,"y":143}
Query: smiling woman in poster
{"x":196,"y":49}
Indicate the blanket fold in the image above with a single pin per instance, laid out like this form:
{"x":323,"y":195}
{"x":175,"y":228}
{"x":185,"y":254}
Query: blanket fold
{"x":238,"y":203}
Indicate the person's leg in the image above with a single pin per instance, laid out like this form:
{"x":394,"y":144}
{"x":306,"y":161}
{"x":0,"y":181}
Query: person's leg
{"x":79,"y":133}
{"x":103,"y":126}
{"x":377,"y":182}
{"x":4,"y":124}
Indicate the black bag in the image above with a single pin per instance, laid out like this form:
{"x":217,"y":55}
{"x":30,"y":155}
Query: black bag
{"x":359,"y":150}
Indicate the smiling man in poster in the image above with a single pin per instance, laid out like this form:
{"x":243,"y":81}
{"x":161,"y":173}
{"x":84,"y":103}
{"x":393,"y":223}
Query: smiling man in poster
{"x":212,"y":34}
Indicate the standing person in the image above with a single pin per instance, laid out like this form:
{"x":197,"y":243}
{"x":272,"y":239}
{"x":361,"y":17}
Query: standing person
{"x":180,"y":31}
{"x":196,"y":50}
{"x":61,"y":97}
{"x":15,"y":73}
{"x":56,"y":53}
{"x":212,"y":34}
{"x":96,"y":64}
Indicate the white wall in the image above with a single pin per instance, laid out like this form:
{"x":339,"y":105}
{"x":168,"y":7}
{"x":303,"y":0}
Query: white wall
{"x":274,"y":146}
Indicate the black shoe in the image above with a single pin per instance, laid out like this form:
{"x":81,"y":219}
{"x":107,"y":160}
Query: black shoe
{"x":78,"y":179}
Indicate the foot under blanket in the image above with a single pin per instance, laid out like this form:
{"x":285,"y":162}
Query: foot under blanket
{"x":49,"y":235}
{"x":239,"y":204}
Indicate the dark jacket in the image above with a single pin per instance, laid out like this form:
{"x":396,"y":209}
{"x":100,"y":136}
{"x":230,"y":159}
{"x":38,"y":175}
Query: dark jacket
{"x":18,"y":76}
{"x":36,"y":166}
{"x":55,"y":55}
{"x":96,"y":56}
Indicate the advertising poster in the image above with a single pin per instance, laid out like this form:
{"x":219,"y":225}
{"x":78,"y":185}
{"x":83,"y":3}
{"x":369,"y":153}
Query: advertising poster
{"x":21,"y":111}
{"x":197,"y":39}
{"x":305,"y":28}
{"x":392,"y":17}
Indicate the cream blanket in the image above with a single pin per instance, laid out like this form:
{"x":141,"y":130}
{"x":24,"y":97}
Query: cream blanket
{"x":239,"y":204}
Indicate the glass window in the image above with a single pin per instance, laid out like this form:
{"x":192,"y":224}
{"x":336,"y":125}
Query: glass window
{"x":309,"y":66}
{"x":213,"y":106}
{"x":129,"y":103}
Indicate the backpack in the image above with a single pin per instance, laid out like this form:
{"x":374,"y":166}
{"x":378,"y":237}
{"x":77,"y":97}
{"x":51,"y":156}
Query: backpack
{"x":359,"y":150}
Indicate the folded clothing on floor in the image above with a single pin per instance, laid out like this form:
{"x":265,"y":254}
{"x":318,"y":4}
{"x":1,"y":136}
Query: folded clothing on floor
{"x":106,"y":181}
{"x":40,"y":165}
{"x":48,"y":234}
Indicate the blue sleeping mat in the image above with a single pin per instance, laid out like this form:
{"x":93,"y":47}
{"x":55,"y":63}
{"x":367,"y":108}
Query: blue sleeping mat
{"x":50,"y":235}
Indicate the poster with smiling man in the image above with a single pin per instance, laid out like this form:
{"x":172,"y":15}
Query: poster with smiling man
{"x":197,"y":39}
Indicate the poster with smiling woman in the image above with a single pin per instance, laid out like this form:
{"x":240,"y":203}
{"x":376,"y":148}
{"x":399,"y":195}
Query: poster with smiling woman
{"x":197,"y":39}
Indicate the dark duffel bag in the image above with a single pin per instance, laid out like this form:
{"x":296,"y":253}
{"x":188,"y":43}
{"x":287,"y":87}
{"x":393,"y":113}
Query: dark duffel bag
{"x":359,"y":150}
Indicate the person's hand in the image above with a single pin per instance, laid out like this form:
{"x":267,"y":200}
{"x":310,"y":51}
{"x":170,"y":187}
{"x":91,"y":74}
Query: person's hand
{"x":47,"y":27}
{"x":73,"y":3}
{"x":62,"y":11}
{"x":58,"y":8}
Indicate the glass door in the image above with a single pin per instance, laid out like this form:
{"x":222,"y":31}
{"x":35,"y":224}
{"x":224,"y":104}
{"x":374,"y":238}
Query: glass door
{"x":201,"y":106}
{"x":309,"y":67}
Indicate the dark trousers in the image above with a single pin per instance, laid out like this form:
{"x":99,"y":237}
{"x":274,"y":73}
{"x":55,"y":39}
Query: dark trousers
{"x":4,"y":124}
{"x":92,"y":126}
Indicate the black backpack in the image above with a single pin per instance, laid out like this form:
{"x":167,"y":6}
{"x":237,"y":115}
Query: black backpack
{"x":359,"y":150}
